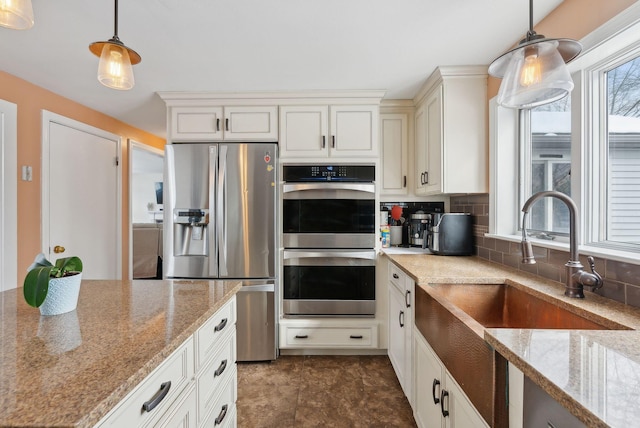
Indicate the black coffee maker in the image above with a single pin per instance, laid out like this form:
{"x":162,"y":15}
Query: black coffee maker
{"x":419,"y":224}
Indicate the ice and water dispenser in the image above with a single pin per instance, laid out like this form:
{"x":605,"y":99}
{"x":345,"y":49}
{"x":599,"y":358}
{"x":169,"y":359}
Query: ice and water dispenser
{"x":190,"y":232}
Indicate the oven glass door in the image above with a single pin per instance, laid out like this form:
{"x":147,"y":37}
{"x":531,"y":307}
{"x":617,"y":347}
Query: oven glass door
{"x":329,"y":282}
{"x":329,"y":215}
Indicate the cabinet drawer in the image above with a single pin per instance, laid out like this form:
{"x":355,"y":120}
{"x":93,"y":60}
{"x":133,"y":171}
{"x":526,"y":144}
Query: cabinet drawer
{"x":213,"y":330}
{"x":184,"y":413}
{"x":223,"y":409}
{"x":397,"y":277}
{"x":331,"y":337}
{"x":177,"y":369}
{"x":214,"y":375}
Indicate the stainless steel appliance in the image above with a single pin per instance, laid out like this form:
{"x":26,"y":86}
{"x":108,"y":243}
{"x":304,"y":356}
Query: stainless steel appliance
{"x":451,"y":234}
{"x":419,"y":224}
{"x":220,"y":211}
{"x":329,"y":221}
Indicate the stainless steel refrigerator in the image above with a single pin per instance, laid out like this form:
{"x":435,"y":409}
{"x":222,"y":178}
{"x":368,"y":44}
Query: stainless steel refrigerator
{"x":219,"y":223}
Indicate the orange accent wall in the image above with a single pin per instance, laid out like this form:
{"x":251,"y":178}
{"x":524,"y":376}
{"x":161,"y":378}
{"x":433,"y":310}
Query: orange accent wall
{"x":573,"y":19}
{"x":31,"y":100}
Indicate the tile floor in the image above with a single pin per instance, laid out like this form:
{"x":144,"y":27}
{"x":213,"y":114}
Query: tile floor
{"x":321,"y":391}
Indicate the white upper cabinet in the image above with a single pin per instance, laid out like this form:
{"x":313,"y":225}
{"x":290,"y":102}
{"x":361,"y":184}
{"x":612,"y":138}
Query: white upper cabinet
{"x":394,"y":138}
{"x":217,"y":123}
{"x":451,"y":143}
{"x":323,"y":131}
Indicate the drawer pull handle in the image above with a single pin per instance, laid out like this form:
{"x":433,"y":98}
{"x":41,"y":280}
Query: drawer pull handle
{"x":401,"y":319}
{"x":355,"y":336}
{"x":407,"y":298}
{"x":436,"y":383}
{"x":395,"y":275}
{"x":217,"y":124}
{"x":333,"y":141}
{"x":324,"y":141}
{"x":221,"y":415}
{"x":158,"y":397}
{"x":221,"y":368}
{"x":226,"y":124}
{"x":444,"y":394}
{"x":220,"y":326}
{"x":302,"y":336}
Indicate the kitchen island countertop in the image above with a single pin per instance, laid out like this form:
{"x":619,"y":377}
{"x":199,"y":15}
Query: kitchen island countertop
{"x":69,"y":370}
{"x":592,"y":373}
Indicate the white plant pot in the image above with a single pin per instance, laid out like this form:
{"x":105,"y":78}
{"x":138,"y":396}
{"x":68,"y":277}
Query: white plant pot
{"x":62,"y":296}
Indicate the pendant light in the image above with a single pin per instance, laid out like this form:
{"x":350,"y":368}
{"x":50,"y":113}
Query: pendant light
{"x":535,"y":72}
{"x":116,"y":59}
{"x":16,"y":14}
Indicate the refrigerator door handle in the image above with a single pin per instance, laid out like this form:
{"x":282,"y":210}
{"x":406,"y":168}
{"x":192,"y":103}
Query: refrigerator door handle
{"x":213,"y":242}
{"x":221,"y":212}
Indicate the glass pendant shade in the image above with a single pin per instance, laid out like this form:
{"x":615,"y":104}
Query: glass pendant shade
{"x":115,"y":70}
{"x":16,"y":14}
{"x":536,"y":74}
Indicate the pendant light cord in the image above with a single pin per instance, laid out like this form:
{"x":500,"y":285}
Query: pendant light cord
{"x":115,"y":21}
{"x":530,"y":33}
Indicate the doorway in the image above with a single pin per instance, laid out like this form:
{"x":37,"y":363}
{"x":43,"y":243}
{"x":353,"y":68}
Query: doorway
{"x":8,"y":196}
{"x":146,"y":179}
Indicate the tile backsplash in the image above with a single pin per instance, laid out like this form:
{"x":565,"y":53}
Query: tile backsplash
{"x":621,"y":280}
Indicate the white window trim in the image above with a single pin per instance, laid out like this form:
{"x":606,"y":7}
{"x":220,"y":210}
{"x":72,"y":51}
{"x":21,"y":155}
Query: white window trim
{"x":617,"y":35}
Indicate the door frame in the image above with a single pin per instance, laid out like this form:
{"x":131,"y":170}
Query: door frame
{"x":48,"y":118}
{"x":9,"y":196}
{"x":135,"y":145}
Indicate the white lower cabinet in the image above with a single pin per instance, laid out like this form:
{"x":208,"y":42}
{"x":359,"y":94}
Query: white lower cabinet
{"x":439,"y":401}
{"x":185,"y":391}
{"x":401,"y":327}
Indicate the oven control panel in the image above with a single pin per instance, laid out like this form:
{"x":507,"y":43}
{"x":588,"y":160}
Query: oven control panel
{"x":315,"y":173}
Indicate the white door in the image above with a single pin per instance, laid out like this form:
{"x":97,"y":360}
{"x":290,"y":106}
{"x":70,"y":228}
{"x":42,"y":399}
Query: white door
{"x":81,"y":210}
{"x":8,"y":196}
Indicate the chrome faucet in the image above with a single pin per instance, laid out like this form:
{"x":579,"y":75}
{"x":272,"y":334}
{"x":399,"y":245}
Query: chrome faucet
{"x":577,"y":278}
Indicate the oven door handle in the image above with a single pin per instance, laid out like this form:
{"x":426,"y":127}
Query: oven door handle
{"x":366,"y":255}
{"x":359,"y":187}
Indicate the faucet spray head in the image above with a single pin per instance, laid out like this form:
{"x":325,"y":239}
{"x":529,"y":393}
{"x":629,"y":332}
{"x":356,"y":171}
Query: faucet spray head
{"x":527,"y":253}
{"x":527,"y":249}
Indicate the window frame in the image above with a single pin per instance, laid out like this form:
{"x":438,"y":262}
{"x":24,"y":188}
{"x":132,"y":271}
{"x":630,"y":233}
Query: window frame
{"x":610,"y":45}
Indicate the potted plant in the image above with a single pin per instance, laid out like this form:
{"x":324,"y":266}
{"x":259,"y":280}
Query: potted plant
{"x":53,"y":288}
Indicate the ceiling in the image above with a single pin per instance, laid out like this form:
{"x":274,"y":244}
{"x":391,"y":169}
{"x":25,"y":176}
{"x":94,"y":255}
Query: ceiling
{"x":258,"y":45}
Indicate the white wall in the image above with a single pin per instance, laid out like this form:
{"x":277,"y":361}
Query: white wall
{"x":142,"y":192}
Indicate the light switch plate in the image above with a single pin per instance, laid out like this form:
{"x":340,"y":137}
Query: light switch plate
{"x":27,"y":173}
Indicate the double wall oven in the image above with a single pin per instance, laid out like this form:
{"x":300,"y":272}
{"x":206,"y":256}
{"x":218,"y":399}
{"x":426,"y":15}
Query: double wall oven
{"x":329,"y":240}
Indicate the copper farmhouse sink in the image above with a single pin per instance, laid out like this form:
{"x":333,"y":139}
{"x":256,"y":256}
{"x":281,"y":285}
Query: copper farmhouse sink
{"x":453,"y":317}
{"x":505,"y":306}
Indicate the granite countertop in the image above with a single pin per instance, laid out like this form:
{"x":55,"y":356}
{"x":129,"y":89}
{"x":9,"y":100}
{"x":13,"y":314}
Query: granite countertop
{"x":595,"y":374}
{"x":69,"y":370}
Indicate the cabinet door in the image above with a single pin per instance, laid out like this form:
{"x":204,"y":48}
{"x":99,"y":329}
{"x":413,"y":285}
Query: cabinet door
{"x":462,"y":414}
{"x":251,"y":123}
{"x":409,"y":366}
{"x":354,"y":131}
{"x":430,"y":377}
{"x":434,"y":141}
{"x":397,"y":327}
{"x":304,"y":131}
{"x":196,"y":123}
{"x":420,"y":150}
{"x":394,"y":138}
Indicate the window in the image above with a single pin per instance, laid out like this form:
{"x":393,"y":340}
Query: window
{"x":546,"y":150}
{"x":623,"y":154}
{"x":586,"y":146}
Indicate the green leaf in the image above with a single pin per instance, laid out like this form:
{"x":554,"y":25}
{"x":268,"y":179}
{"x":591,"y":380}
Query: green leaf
{"x":69,"y":264}
{"x":36,"y":285}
